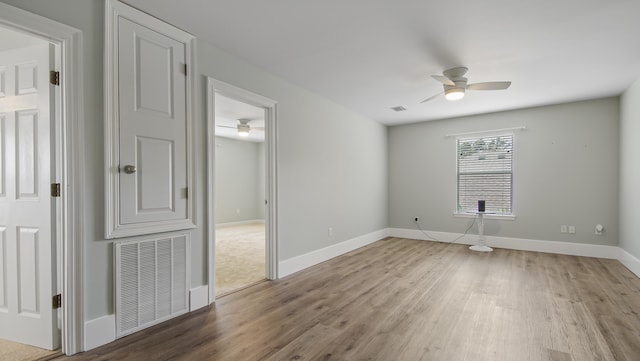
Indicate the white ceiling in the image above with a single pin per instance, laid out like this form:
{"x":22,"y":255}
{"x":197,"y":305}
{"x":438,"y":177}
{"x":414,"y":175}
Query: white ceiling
{"x":227,"y":113}
{"x":370,"y":55}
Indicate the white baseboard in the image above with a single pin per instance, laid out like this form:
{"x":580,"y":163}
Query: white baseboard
{"x":198,"y":297}
{"x":102,"y":330}
{"x":99,"y":331}
{"x":522,"y":244}
{"x":630,"y":261}
{"x":239,"y":223}
{"x":306,"y":260}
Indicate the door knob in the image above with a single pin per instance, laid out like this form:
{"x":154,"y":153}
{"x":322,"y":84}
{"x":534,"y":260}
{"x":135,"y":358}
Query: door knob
{"x":130,"y":169}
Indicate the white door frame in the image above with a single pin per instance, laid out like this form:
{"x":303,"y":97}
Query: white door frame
{"x":69,"y":151}
{"x":217,"y":87}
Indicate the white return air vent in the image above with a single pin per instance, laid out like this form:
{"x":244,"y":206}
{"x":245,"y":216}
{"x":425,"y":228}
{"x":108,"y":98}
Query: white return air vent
{"x":152,"y":281}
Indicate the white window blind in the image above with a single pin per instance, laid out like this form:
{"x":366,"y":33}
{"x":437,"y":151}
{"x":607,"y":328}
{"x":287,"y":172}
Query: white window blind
{"x":485,"y":172}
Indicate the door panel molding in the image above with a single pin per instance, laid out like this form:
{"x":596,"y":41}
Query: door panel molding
{"x":26,"y":130}
{"x":271,"y":212}
{"x":28,"y":244}
{"x":69,"y":157}
{"x":118,"y":222}
{"x":3,"y":269}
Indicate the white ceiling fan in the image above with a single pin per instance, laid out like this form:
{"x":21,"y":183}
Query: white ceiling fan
{"x":244,"y":127}
{"x":455,"y":84}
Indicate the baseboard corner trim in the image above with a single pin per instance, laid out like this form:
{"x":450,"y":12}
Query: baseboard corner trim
{"x":198,"y":297}
{"x":630,"y":261}
{"x":99,"y":331}
{"x":298,"y":263}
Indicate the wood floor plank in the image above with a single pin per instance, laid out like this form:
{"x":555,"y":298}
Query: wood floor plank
{"x":400,"y":299}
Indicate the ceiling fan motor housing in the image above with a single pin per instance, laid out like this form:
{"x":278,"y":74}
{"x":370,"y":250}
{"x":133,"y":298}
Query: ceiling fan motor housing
{"x":243,"y":129}
{"x":457,"y":91}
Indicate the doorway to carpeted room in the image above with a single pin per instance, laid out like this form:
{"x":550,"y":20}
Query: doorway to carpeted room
{"x":240,"y":256}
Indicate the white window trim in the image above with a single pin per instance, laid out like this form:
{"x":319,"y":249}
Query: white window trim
{"x":491,"y":133}
{"x":503,"y":217}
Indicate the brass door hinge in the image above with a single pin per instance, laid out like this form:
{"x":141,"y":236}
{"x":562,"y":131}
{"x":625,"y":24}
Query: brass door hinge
{"x":57,"y":301}
{"x":55,"y":189}
{"x":54,"y":77}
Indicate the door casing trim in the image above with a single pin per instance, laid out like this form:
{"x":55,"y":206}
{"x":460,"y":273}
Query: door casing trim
{"x":270,"y":106}
{"x":69,"y":150}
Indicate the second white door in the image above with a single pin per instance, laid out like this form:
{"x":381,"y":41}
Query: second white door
{"x":27,"y":242}
{"x":153,"y":125}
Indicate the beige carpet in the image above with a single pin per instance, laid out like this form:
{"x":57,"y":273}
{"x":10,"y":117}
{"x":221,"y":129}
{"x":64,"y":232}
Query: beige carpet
{"x":240,"y":256}
{"x":13,"y":351}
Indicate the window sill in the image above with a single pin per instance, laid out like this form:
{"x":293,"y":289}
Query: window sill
{"x":503,"y":217}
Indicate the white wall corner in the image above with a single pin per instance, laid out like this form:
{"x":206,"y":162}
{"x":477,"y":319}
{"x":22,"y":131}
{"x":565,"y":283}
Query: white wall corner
{"x":522,"y":244}
{"x":630,"y":261}
{"x":198,"y":297}
{"x":99,"y":331}
{"x":306,"y":260}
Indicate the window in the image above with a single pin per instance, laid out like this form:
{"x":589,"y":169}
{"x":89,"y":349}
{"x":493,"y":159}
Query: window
{"x":485,"y":172}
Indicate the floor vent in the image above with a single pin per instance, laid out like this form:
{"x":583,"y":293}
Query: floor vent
{"x":152,"y":281}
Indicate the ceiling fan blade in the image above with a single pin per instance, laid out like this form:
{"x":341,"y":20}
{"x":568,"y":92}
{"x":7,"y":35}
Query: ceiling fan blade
{"x":432,"y":97}
{"x":226,"y":126}
{"x":258,"y":128}
{"x":443,"y":79}
{"x":492,"y":85}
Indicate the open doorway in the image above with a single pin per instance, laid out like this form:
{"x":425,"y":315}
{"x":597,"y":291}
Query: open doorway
{"x":239,"y":186}
{"x":241,"y":189}
{"x":30,"y":243}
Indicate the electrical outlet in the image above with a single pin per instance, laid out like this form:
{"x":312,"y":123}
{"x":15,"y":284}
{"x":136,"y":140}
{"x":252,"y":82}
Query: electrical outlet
{"x":330,"y":231}
{"x":563,"y":228}
{"x":599,"y":229}
{"x":572,"y":229}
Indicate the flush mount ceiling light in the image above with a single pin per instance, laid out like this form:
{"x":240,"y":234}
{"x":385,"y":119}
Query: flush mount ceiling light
{"x":454,"y":93}
{"x":243,"y":129}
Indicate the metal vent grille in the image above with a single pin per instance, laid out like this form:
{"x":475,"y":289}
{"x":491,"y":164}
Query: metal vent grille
{"x":152,"y":280}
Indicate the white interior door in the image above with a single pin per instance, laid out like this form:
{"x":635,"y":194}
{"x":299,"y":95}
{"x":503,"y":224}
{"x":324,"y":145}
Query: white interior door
{"x":27,"y":244}
{"x":153,"y":125}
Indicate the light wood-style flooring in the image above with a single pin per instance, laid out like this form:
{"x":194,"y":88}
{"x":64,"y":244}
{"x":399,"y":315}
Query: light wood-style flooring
{"x":400,"y":299}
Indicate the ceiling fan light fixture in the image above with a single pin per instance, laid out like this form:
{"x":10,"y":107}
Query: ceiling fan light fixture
{"x":454,"y":93}
{"x":243,"y":130}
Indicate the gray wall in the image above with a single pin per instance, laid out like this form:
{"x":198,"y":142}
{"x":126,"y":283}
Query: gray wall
{"x":565,"y":172}
{"x":239,"y":180}
{"x":332,"y":163}
{"x":630,"y":170}
{"x":337,"y":177}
